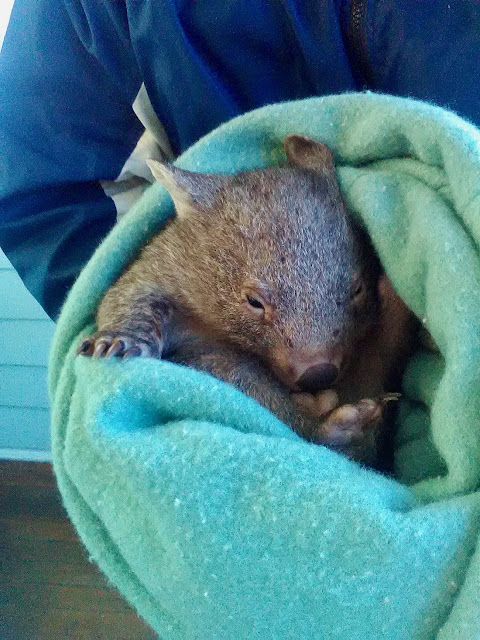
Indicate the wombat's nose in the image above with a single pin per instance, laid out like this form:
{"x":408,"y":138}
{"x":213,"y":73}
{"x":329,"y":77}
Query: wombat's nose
{"x":318,"y":377}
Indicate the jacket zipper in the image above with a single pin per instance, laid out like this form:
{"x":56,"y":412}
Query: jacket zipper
{"x":358,"y":43}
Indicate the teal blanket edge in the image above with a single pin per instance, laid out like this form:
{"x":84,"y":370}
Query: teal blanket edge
{"x":212,"y":517}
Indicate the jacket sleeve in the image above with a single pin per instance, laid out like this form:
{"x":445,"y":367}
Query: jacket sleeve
{"x":427,"y":50}
{"x":67,"y":84}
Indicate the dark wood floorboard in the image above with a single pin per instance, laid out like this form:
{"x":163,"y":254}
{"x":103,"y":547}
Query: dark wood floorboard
{"x":50,"y":590}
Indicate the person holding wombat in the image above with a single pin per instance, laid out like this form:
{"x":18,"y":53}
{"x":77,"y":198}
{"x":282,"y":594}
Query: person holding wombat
{"x":104,"y":86}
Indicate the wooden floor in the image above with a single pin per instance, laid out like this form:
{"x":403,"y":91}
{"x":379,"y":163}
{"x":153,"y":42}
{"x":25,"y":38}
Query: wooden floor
{"x":49,"y":588}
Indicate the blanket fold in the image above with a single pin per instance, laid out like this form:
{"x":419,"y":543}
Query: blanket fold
{"x":212,"y":517}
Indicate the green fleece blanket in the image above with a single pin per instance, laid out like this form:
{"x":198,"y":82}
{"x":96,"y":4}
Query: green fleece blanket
{"x":215,"y":520}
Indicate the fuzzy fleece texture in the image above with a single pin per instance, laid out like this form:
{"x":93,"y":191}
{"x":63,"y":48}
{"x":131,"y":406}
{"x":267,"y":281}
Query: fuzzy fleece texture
{"x":214,"y":519}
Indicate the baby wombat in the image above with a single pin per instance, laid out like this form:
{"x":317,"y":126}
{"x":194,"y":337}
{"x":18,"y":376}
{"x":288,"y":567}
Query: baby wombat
{"x":262,"y":280}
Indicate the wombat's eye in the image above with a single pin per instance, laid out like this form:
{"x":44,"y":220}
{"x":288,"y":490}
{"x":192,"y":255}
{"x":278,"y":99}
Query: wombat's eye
{"x":253,"y":302}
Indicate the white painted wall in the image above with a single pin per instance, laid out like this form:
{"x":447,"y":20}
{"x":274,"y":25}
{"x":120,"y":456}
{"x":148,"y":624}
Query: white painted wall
{"x":25,"y":335}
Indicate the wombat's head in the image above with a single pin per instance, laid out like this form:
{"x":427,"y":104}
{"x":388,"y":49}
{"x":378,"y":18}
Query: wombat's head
{"x":270,"y":261}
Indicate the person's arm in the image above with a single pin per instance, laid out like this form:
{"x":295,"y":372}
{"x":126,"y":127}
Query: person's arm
{"x":425,"y":50}
{"x":66,"y":122}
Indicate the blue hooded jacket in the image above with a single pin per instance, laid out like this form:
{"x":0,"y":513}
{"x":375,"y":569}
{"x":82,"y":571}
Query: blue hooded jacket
{"x":81,"y":81}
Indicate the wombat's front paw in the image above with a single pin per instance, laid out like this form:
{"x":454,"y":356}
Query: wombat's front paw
{"x":352,"y":423}
{"x":108,"y":344}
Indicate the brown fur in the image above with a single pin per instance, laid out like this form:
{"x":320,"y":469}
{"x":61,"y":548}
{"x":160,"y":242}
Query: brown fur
{"x":282,"y":234}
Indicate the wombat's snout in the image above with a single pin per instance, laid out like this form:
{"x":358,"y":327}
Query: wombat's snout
{"x":318,"y":377}
{"x":309,"y":370}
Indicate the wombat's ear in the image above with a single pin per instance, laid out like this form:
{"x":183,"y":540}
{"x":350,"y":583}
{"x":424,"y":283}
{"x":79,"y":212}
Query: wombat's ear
{"x":308,"y":153}
{"x":191,"y":192}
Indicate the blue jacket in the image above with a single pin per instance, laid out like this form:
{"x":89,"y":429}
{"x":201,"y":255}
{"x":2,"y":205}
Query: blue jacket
{"x":70,"y":71}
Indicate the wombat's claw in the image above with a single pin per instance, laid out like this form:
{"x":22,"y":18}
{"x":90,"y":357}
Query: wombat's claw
{"x":109,"y":345}
{"x":86,"y":347}
{"x":389,"y":397}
